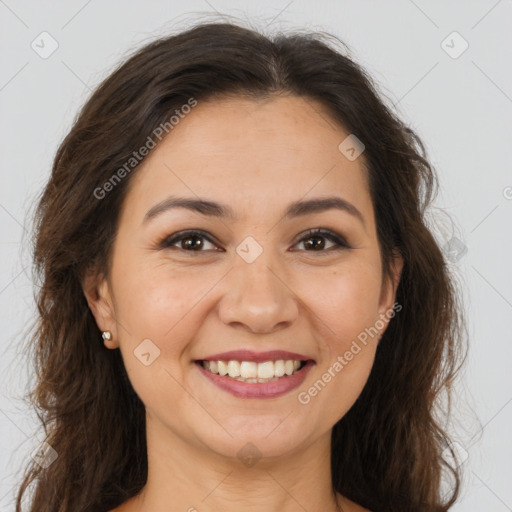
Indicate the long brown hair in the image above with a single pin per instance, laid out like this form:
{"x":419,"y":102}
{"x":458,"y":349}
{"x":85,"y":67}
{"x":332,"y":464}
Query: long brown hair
{"x":387,"y":451}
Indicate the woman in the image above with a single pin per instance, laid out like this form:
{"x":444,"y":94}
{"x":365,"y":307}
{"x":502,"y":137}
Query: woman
{"x":241,"y":305}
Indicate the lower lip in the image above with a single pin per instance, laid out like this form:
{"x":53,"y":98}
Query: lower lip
{"x":258,"y":389}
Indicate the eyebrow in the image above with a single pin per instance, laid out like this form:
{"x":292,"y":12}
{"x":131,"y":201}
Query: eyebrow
{"x":214,"y":209}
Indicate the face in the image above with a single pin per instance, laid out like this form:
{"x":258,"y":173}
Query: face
{"x":252,"y":281}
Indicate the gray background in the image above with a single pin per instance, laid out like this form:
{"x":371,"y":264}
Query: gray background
{"x":461,"y":107}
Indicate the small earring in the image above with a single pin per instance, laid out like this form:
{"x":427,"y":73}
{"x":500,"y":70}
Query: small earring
{"x":107,"y":335}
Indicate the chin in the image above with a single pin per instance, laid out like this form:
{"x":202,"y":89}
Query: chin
{"x":261,"y":437}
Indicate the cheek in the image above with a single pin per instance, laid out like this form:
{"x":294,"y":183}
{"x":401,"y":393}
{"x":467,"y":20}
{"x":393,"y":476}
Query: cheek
{"x":152,"y":298}
{"x":166,"y":306}
{"x":347,"y":303}
{"x":156,"y":305}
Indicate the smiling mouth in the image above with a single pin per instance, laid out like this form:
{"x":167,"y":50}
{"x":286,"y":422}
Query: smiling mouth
{"x":252,"y":372}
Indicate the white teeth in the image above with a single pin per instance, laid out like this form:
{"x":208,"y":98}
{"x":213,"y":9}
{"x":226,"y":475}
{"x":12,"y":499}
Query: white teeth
{"x":266,"y":370}
{"x":279,"y":368}
{"x":222,"y":368}
{"x":248,"y":369}
{"x":252,"y":372}
{"x":234,"y":369}
{"x":255,"y":381}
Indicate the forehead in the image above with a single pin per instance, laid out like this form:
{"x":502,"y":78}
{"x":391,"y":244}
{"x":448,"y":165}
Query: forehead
{"x":251,"y":153}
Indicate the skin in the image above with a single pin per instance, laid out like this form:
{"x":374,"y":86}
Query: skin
{"x":256,"y":157}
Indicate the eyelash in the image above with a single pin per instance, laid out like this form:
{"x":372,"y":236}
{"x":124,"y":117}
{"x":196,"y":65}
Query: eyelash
{"x":340,"y":242}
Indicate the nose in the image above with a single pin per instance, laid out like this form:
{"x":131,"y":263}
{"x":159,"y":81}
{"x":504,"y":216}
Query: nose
{"x":257,"y":298}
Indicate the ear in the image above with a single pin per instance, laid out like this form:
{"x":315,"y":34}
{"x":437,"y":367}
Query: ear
{"x":99,"y":298}
{"x":388,"y":290}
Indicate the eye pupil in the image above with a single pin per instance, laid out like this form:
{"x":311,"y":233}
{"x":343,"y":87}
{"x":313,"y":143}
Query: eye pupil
{"x":320,"y":242}
{"x":192,"y":242}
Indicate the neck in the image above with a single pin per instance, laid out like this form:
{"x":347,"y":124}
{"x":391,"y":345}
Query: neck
{"x":193,"y":478}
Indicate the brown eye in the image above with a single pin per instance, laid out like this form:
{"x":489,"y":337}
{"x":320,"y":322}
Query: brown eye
{"x":197,"y":241}
{"x":314,"y":241}
{"x":190,"y":241}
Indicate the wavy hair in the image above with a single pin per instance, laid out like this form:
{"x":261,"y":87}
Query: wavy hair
{"x":387,"y":451}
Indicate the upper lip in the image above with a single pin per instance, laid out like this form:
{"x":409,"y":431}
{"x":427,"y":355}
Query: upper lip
{"x":257,"y":357}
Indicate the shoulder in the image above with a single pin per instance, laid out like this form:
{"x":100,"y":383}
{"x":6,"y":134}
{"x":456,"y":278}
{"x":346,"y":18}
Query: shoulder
{"x":130,"y":505}
{"x":358,"y":508}
{"x":354,"y":507}
{"x":121,"y":508}
{"x":350,"y":506}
